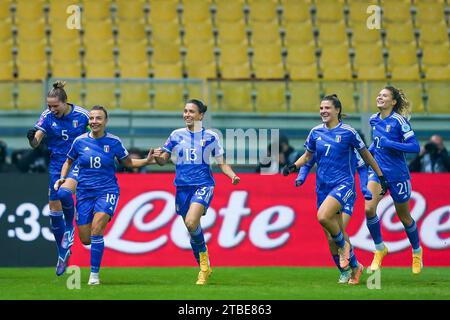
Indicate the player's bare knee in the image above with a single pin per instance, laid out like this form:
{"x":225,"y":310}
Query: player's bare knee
{"x":86,"y":241}
{"x":370,"y":212}
{"x":191,"y":225}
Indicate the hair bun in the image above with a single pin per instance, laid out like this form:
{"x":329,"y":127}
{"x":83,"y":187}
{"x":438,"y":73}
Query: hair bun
{"x":334,"y":95}
{"x":59,"y":84}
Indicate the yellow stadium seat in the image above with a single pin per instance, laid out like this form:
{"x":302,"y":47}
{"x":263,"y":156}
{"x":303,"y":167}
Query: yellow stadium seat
{"x":413,"y":92}
{"x":264,"y":32}
{"x":6,"y":94}
{"x":433,"y":33}
{"x":236,"y":97}
{"x":195,"y":11}
{"x":396,"y":12}
{"x":5,"y":9}
{"x":358,"y":11}
{"x":263,"y":11}
{"x":130,"y":9}
{"x":267,"y":62}
{"x":168,"y":96}
{"x":100,"y":93}
{"x":96,"y":52}
{"x":234,"y":63}
{"x":5,"y":29}
{"x":402,"y":55}
{"x":235,"y":71}
{"x":345,"y":92}
{"x":132,"y":51}
{"x":200,"y":61}
{"x":97,"y":31}
{"x":360,"y":34}
{"x":299,"y":33}
{"x":305,"y":96}
{"x":30,"y":30}
{"x":295,"y":11}
{"x":163,"y":11}
{"x":96,"y":10}
{"x":438,"y":72}
{"x":436,"y":55}
{"x":6,"y":70}
{"x":232,"y":32}
{"x":334,"y":62}
{"x":399,"y":33}
{"x":131,"y":30}
{"x":165,"y":33}
{"x":429,"y":12}
{"x":198,"y":33}
{"x":405,"y":72}
{"x":329,"y":11}
{"x":270,"y":96}
{"x":229,"y":11}
{"x":332,"y":33}
{"x":68,"y":69}
{"x":30,"y":10}
{"x":167,"y":70}
{"x":369,"y":63}
{"x":31,"y":51}
{"x":438,"y":101}
{"x":134,"y":69}
{"x":58,"y":10}
{"x":134,"y":96}
{"x":99,"y":69}
{"x":69,"y":51}
{"x":60,"y":33}
{"x":301,"y":62}
{"x":30,"y":95}
{"x":6,"y":51}
{"x":167,"y":53}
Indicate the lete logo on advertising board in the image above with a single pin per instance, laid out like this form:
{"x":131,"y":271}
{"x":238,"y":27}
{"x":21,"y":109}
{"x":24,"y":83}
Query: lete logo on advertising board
{"x":263,"y":221}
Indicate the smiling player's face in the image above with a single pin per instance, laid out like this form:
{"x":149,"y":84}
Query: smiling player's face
{"x":328,"y":112}
{"x":385,"y":99}
{"x":191,"y":114}
{"x":97,"y":121}
{"x":57,"y":107}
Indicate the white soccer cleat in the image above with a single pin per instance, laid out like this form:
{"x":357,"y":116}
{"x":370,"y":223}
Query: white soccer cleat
{"x":94,"y":279}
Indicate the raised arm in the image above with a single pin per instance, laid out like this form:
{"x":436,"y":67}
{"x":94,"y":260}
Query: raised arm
{"x":35,"y":137}
{"x":410,"y":146}
{"x":305,"y":157}
{"x":138,"y":163}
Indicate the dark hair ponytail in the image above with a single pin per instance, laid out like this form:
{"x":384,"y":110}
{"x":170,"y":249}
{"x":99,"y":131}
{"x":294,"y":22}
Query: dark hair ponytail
{"x":58,"y":91}
{"x":336,"y":103}
{"x":200,"y":105}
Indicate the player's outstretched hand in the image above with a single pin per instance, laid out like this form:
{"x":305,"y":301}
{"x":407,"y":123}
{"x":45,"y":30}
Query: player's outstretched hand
{"x":383,"y":184}
{"x":289,"y":169}
{"x":157,"y":152}
{"x":150,"y":155}
{"x":58,"y":183}
{"x":30,"y":134}
{"x":235,"y":180}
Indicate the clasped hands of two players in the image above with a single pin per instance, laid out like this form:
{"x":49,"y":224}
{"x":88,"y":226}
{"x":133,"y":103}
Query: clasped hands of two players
{"x":367,"y":194}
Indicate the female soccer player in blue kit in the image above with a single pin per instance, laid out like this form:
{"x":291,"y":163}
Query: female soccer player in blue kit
{"x":192,"y":147}
{"x":333,"y":143}
{"x":392,"y":137}
{"x":97,"y":190}
{"x":345,"y":276}
{"x":60,"y":124}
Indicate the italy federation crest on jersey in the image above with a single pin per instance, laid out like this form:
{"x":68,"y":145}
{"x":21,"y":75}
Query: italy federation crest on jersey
{"x":75,"y":123}
{"x":338,"y":138}
{"x":388,"y":128}
{"x":106,"y":148}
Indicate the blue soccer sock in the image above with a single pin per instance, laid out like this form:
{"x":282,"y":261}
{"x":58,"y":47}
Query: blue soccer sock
{"x":197,"y":242}
{"x":57,"y":227}
{"x":336,"y":262}
{"x":353,"y":261}
{"x":413,"y":235}
{"x":339,"y":239}
{"x":97,"y":247}
{"x":373,"y":224}
{"x":65,"y":196}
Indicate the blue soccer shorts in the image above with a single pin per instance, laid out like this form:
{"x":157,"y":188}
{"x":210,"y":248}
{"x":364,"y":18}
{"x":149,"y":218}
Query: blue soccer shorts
{"x":52,"y":193}
{"x":400,"y":191}
{"x":343,"y":193}
{"x":186,"y":195}
{"x":87,"y":207}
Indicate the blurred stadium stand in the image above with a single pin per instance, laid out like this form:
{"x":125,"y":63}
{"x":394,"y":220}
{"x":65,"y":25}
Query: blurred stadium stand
{"x":257,"y":63}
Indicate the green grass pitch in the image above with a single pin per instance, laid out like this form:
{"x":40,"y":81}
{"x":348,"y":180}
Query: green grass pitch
{"x":226,"y":283}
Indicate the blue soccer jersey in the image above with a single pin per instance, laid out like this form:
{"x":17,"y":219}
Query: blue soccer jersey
{"x":96,"y":160}
{"x":191,"y":152}
{"x":61,"y":132}
{"x":395,"y":128}
{"x":334,"y":151}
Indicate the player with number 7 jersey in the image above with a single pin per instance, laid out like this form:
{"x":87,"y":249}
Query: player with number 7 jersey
{"x":97,"y":190}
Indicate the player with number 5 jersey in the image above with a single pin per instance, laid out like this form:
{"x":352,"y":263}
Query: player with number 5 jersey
{"x":392,"y":137}
{"x":97,"y":190}
{"x":191,"y":148}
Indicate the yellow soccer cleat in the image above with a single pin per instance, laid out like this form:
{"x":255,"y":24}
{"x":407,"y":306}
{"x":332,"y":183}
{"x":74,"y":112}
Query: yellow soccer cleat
{"x":205,"y":269}
{"x":417,"y":262}
{"x":344,"y":256}
{"x":378,"y":258}
{"x":356,"y":274}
